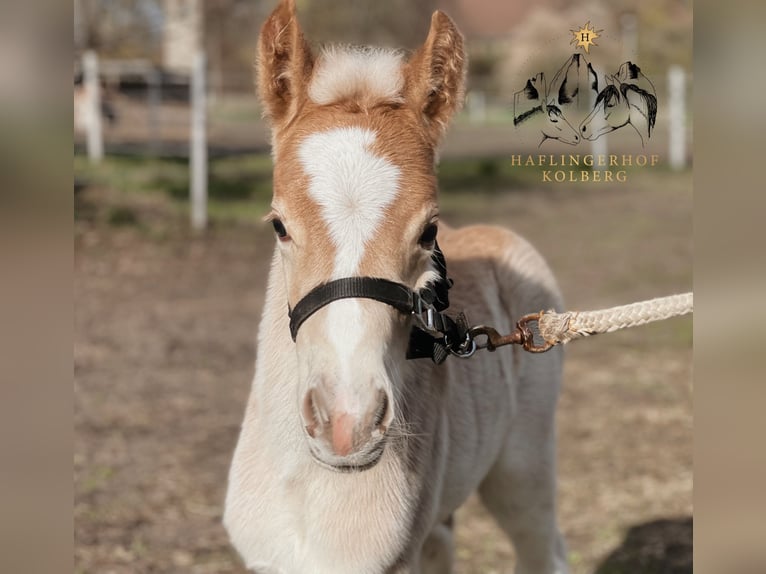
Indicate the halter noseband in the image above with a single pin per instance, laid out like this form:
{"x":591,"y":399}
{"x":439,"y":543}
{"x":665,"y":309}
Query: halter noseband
{"x":436,"y":335}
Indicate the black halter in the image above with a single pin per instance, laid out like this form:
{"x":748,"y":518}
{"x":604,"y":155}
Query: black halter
{"x":435,"y":335}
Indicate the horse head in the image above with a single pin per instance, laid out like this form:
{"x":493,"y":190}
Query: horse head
{"x":557,"y":127}
{"x":629,"y":98}
{"x":610,"y":111}
{"x":530,"y":104}
{"x":354,"y":135}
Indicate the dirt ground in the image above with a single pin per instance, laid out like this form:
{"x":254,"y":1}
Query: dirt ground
{"x":165,"y":349}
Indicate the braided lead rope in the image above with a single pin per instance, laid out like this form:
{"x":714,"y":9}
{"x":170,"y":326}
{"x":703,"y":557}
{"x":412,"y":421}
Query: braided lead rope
{"x":561,"y":328}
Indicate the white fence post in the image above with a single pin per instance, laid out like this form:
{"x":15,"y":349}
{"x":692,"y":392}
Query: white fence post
{"x":198,"y":152}
{"x":154,"y":101}
{"x":477,"y":106}
{"x":92,"y":107}
{"x":677,"y":117}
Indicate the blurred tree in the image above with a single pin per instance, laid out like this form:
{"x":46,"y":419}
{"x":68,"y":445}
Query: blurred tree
{"x":119,"y":28}
{"x":134,"y":28}
{"x":231,"y":30}
{"x":397,"y":23}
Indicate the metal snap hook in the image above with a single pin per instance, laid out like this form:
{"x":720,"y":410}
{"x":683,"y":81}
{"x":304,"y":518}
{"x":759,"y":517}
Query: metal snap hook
{"x":463,"y":354}
{"x":466,"y":349}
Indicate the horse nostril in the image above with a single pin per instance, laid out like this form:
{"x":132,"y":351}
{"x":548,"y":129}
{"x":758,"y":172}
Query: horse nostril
{"x":313,"y":415}
{"x":583,"y":129}
{"x":309,"y":415}
{"x":380,"y":413}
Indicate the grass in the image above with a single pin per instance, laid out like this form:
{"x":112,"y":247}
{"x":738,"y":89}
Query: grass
{"x":235,"y":110}
{"x":240,"y":187}
{"x":485,"y":175}
{"x":638,"y":248}
{"x":122,"y":216}
{"x":495,"y":114}
{"x":97,"y":479}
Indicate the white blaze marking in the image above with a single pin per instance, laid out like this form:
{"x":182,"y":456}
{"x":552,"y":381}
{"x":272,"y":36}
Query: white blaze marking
{"x":353,"y":189}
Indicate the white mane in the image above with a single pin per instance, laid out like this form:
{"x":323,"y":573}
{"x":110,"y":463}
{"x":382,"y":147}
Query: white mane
{"x":343,"y":72}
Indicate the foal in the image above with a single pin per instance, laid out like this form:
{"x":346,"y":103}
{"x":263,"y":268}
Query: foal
{"x":352,"y":459}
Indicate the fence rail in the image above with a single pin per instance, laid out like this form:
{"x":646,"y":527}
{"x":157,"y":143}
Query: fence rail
{"x":131,"y":107}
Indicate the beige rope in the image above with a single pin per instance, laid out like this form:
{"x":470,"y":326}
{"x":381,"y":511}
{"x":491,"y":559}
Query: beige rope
{"x":561,"y":328}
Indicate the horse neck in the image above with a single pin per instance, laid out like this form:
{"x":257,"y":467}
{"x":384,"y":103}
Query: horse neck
{"x":637,"y":118}
{"x":274,"y":392}
{"x":528,"y":115}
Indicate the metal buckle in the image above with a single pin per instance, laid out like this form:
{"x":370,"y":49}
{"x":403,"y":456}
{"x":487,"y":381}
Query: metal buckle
{"x":421,"y":308}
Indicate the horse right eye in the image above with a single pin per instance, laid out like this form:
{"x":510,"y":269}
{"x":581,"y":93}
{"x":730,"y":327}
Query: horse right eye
{"x":279,"y":229}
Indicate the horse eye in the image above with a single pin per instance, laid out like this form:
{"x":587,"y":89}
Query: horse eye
{"x":428,"y":236}
{"x":280,"y":230}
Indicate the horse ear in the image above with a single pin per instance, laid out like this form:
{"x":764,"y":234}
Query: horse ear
{"x":435,"y":75}
{"x":524,"y":101}
{"x":542,"y":86}
{"x":284,"y":63}
{"x":593,"y":82}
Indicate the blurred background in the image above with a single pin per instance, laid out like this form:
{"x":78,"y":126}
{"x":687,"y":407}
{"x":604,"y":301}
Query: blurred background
{"x":172,"y":175}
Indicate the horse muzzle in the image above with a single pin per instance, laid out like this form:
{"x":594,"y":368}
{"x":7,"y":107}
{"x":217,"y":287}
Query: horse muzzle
{"x":357,"y":462}
{"x":346,"y":441}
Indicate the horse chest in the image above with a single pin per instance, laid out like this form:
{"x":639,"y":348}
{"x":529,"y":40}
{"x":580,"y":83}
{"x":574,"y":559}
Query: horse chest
{"x":314,"y":520}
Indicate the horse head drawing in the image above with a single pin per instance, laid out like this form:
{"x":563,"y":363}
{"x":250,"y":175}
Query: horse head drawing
{"x":628,"y":98}
{"x":530,"y":103}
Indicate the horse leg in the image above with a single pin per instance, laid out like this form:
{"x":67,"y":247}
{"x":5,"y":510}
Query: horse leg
{"x":520,"y":489}
{"x":437,"y":554}
{"x":521,"y":498}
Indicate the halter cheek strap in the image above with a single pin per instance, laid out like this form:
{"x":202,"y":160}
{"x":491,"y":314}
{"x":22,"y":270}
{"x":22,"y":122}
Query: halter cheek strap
{"x":437,"y":334}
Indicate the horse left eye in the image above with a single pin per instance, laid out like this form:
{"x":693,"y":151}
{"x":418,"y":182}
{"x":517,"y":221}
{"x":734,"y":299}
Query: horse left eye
{"x":428,"y":236}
